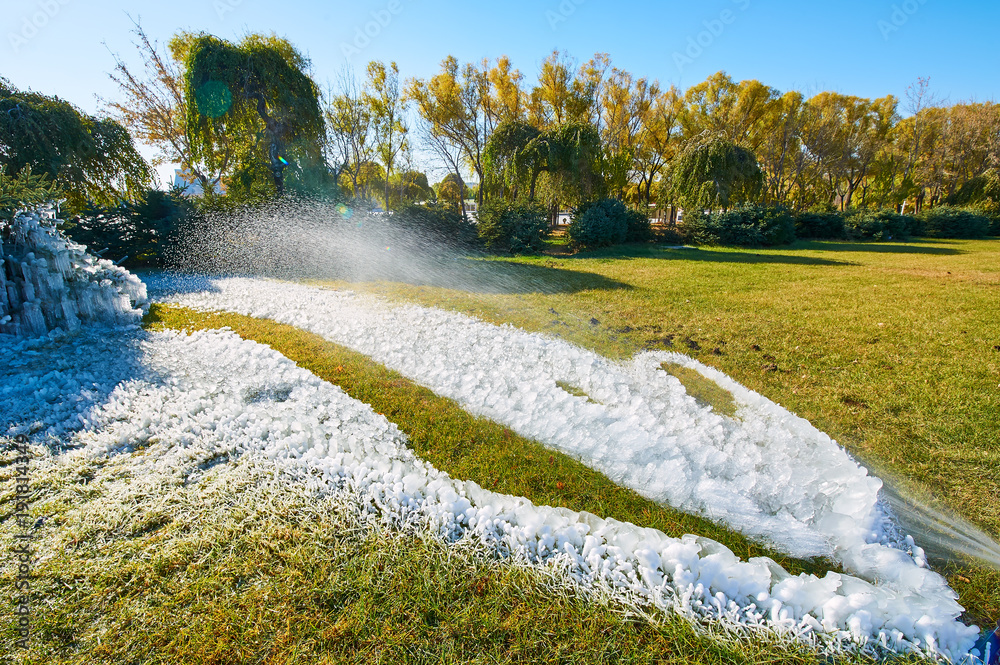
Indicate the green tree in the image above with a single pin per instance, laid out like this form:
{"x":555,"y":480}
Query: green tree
{"x":90,"y":159}
{"x":387,"y":105}
{"x":713,"y":172}
{"x":451,"y":190}
{"x":139,"y":234}
{"x":258,"y":90}
{"x":412,"y":186}
{"x":23,"y":192}
{"x":573,"y":164}
{"x":512,"y":160}
{"x":569,"y":155}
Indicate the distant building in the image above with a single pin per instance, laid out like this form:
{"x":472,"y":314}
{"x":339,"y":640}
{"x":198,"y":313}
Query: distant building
{"x":191,"y":186}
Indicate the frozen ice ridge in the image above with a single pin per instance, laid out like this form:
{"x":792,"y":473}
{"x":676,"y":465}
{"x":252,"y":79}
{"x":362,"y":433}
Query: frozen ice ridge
{"x":48,"y":282}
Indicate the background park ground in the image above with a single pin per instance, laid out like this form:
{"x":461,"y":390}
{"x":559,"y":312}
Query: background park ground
{"x":892,"y":348}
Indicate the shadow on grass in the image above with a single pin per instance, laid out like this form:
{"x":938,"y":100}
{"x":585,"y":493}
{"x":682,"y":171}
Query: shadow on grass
{"x":923,"y":246}
{"x":736,"y":255}
{"x":509,"y":277}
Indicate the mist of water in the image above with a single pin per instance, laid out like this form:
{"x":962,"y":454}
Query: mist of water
{"x":327,"y":241}
{"x":944,"y":536}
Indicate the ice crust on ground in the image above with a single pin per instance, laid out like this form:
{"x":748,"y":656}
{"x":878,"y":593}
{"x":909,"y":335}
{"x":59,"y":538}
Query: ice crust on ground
{"x":767,"y":472}
{"x":49,"y":282}
{"x":192,"y":402}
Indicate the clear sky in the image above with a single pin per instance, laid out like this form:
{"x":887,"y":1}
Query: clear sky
{"x":869,"y":48}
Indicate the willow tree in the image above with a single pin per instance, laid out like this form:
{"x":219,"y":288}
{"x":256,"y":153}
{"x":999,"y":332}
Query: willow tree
{"x":152,"y":106}
{"x":91,"y":159}
{"x":510,"y":168}
{"x":574,"y":163}
{"x":713,"y":172}
{"x":257,"y":89}
{"x":569,"y":155}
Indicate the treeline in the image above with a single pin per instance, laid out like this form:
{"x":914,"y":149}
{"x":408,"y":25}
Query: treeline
{"x":248,"y":123}
{"x":594,"y":130}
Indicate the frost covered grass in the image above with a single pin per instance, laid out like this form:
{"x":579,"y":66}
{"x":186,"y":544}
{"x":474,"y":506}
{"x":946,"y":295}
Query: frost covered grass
{"x":891,"y":349}
{"x":241,"y":567}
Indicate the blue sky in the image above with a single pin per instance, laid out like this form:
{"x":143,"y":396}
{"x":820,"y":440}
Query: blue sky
{"x":870,"y":48}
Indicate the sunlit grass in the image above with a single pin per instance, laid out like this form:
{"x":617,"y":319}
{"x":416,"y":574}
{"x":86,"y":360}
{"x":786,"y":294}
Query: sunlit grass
{"x":703,"y":389}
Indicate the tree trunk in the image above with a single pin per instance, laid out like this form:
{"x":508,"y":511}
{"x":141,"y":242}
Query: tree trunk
{"x":461,"y":197}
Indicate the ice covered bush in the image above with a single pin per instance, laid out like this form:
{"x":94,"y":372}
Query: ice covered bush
{"x":49,"y":282}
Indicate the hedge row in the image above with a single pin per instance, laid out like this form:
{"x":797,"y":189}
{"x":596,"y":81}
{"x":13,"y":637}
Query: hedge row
{"x":762,"y":226}
{"x":516,"y":228}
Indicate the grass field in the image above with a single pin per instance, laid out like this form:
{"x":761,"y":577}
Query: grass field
{"x":892,"y":349}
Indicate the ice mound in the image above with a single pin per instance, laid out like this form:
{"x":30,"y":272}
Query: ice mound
{"x":48,"y":282}
{"x":195,"y":402}
{"x":767,"y":472}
